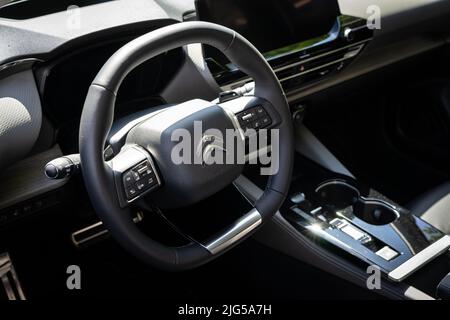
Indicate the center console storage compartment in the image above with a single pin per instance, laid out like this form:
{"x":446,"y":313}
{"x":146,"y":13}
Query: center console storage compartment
{"x":346,"y":214}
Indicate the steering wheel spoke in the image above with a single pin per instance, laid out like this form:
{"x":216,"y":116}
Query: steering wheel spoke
{"x":234,"y":233}
{"x":135,"y":174}
{"x":251,"y":112}
{"x":254,"y":117}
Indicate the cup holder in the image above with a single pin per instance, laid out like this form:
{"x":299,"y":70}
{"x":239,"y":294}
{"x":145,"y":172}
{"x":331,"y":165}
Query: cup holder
{"x":374,"y":212}
{"x":338,"y":195}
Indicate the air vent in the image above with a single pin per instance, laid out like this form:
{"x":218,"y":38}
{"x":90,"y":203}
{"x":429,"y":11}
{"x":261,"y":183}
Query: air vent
{"x":308,"y":65}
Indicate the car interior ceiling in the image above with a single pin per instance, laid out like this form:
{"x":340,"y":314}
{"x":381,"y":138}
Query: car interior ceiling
{"x":371,"y":156}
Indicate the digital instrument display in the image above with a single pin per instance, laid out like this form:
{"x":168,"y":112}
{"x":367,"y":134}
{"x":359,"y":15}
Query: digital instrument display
{"x":272,"y":25}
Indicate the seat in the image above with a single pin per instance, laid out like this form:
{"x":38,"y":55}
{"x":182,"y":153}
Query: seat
{"x":434,"y":207}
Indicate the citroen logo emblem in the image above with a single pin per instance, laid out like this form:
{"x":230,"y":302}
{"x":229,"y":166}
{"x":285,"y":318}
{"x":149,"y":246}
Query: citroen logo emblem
{"x":208,"y":147}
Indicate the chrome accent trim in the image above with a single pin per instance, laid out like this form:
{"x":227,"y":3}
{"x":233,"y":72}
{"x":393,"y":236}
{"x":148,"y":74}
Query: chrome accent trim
{"x":234,"y":233}
{"x":383,"y":202}
{"x":323,"y":65}
{"x":338,"y":182}
{"x":78,"y":243}
{"x":9,"y":279}
{"x":359,"y":43}
{"x":352,"y":22}
{"x":420,"y":259}
{"x":74,"y":235}
{"x":243,"y":81}
{"x":14,"y":63}
{"x":415,"y":294}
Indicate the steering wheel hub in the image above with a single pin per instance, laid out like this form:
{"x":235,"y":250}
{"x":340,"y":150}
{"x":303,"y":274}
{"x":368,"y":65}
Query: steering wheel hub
{"x":196,"y":148}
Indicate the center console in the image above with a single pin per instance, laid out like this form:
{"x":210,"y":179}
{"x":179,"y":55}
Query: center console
{"x":343,"y":213}
{"x":337,"y":223}
{"x":329,"y":219}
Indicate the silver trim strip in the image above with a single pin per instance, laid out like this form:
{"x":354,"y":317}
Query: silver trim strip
{"x":346,"y":57}
{"x":14,"y":63}
{"x":337,"y":182}
{"x":355,"y":20}
{"x":415,"y":294}
{"x":323,"y":55}
{"x":82,"y":240}
{"x":9,"y":279}
{"x":243,"y":81}
{"x":420,"y":259}
{"x":314,"y":69}
{"x":237,"y":231}
{"x":76,"y":234}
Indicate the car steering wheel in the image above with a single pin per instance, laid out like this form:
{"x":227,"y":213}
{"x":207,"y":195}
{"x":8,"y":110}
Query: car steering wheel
{"x":146,"y":155}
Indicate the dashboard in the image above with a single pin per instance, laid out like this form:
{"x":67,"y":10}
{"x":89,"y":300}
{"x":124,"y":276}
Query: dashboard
{"x":46,"y":64}
{"x":64,"y":82}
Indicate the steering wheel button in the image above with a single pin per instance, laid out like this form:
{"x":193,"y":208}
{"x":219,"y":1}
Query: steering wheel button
{"x":260,"y":111}
{"x":131,"y":192}
{"x":128,"y":179}
{"x":265,"y":121}
{"x":135,"y":175}
{"x":144,"y":171}
{"x":140,"y":185}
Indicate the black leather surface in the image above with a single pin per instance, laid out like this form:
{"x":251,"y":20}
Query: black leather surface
{"x":425,"y":201}
{"x":443,"y":290}
{"x":438,"y":218}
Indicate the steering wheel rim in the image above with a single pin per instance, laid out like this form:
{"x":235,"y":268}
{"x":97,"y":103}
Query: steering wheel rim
{"x":97,"y":118}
